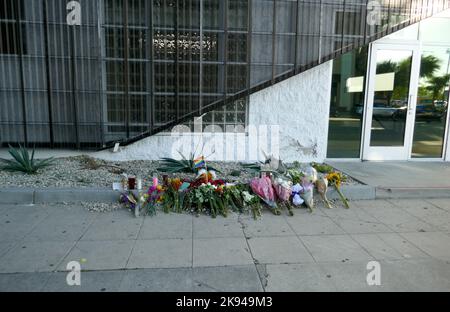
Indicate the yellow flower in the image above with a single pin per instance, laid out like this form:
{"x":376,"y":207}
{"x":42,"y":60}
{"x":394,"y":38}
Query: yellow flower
{"x":335,"y":178}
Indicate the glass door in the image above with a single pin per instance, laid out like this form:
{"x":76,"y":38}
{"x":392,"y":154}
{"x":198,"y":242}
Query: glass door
{"x":432,"y":102}
{"x":391,"y":101}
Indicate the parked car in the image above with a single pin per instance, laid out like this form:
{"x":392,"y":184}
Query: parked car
{"x":429,"y":111}
{"x":382,"y":110}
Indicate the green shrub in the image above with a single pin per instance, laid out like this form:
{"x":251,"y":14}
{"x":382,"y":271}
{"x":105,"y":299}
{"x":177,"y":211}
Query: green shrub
{"x":23,"y":162}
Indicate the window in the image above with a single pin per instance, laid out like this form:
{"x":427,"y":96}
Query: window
{"x":347,"y":104}
{"x":114,"y":37}
{"x":348,"y":24}
{"x":10,"y":11}
{"x":175,"y":62}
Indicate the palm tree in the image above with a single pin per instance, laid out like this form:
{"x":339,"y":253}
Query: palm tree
{"x":429,"y":65}
{"x":438,"y":85}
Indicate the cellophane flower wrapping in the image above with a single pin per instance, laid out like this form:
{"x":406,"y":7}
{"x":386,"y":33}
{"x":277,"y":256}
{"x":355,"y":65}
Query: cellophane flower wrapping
{"x":308,"y":192}
{"x":297,"y":200}
{"x":283,"y":189}
{"x":263,"y":187}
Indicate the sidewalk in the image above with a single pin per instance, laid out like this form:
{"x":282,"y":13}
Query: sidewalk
{"x":325,"y":251}
{"x":401,"y":174}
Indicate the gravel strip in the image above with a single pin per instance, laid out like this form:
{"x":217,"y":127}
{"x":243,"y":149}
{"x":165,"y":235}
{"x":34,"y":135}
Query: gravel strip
{"x":86,"y":172}
{"x":101,"y":207}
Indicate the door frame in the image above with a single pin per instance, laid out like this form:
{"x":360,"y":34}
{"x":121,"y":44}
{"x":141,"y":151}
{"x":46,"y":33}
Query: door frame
{"x":395,"y":153}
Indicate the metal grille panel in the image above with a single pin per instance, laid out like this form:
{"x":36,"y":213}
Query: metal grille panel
{"x":133,"y":68}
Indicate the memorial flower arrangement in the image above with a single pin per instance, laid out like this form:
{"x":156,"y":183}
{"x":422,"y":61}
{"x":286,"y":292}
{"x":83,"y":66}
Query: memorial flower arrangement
{"x":207,"y":194}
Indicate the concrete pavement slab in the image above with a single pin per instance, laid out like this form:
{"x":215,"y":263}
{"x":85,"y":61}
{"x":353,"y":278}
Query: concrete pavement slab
{"x":311,"y":224}
{"x":357,"y":221}
{"x":6,"y":246}
{"x":398,"y":173}
{"x":443,"y":203}
{"x":278,"y":250}
{"x":435,"y":244}
{"x":227,"y":279}
{"x":267,"y":225}
{"x":161,"y":253}
{"x":99,"y":255}
{"x":97,"y":281}
{"x":23,"y":282}
{"x":157,"y":280}
{"x":18,"y":221}
{"x":422,"y":209}
{"x":296,"y":277}
{"x":339,"y":248}
{"x":64,"y":225}
{"x":166,"y":226}
{"x":369,"y":205}
{"x":376,"y":247}
{"x":400,"y":221}
{"x":207,"y":227}
{"x":416,"y":275}
{"x":402,"y":246}
{"x":349,"y":276}
{"x":34,"y":257}
{"x":221,"y":252}
{"x":113,"y":226}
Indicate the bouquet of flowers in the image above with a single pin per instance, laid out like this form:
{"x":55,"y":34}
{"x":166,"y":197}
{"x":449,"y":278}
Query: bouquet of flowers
{"x":322,"y":188}
{"x":308,"y":193}
{"x":335,"y":179}
{"x":209,"y":196}
{"x":283,"y":191}
{"x":173,"y":199}
{"x":233,"y":197}
{"x":253,"y":202}
{"x":310,"y":175}
{"x":264,"y":189}
{"x":129,"y":200}
{"x":153,"y":198}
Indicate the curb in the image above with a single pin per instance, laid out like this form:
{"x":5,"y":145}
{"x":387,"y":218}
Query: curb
{"x":25,"y":196}
{"x":102,"y":195}
{"x":57,"y":195}
{"x":354,"y":192}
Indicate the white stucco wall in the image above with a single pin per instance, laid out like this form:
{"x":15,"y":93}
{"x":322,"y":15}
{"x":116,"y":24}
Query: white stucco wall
{"x":289,"y":120}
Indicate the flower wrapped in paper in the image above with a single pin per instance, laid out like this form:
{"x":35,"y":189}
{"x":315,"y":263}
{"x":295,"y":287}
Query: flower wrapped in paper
{"x":322,"y":189}
{"x":310,"y":175}
{"x":335,"y":179}
{"x":308,"y":193}
{"x":283,"y":190}
{"x":297,"y":200}
{"x":263,"y":187}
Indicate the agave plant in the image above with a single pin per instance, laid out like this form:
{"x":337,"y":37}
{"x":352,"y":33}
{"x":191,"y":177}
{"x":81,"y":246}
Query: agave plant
{"x":184,"y":165}
{"x":23,"y":162}
{"x":271,"y":164}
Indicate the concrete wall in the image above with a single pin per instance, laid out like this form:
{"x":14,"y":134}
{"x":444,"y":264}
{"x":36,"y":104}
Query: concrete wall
{"x":289,"y":120}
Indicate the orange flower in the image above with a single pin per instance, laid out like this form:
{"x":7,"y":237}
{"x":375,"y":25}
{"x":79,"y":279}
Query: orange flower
{"x":176,"y":183}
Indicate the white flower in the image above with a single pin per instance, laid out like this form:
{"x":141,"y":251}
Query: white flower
{"x":247,"y":196}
